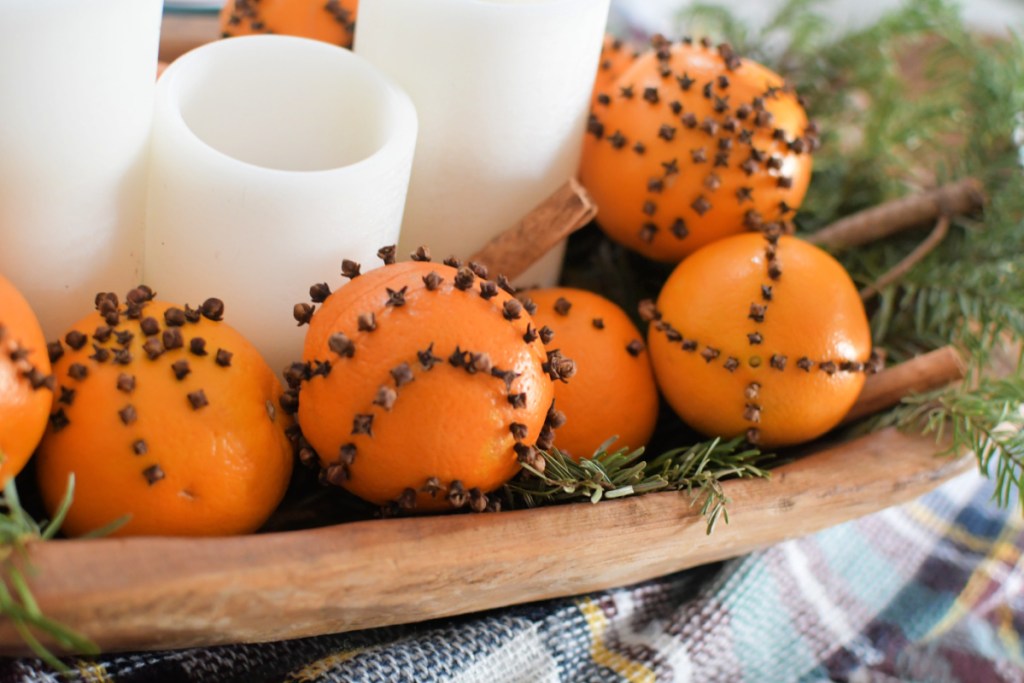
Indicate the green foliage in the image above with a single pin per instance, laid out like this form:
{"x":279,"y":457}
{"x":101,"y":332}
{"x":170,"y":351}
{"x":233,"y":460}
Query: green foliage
{"x":698,"y":470}
{"x":17,"y":530}
{"x":988,"y":421}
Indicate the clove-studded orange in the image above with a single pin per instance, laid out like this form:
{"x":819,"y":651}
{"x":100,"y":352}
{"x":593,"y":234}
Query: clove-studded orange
{"x":616,"y":56}
{"x":760,"y":335}
{"x":168,"y":415}
{"x":613,"y":392}
{"x":423,"y":385}
{"x":26,"y":385}
{"x":693,"y":144}
{"x":331,"y":21}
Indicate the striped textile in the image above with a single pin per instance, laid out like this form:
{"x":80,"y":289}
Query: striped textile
{"x":929,"y":591}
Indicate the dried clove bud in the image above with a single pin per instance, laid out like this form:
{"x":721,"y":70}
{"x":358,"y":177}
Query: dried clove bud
{"x":396,"y":298}
{"x":197,"y":346}
{"x":174,"y":317}
{"x":512,"y":309}
{"x":479,"y":269}
{"x":75,"y":339}
{"x":362,"y":423}
{"x":319,"y":292}
{"x":340,"y":344}
{"x":427,"y":358}
{"x":402,"y":374}
{"x":350,"y":269}
{"x":303,"y":313}
{"x":421,"y":254}
{"x":153,"y":474}
{"x":387,"y":254}
{"x":153,"y":348}
{"x":128,"y":414}
{"x":213,"y":309}
{"x":197,"y":399}
{"x":367,"y":322}
{"x":457,"y":496}
{"x":180,"y":368}
{"x":193,"y":315}
{"x":149,"y":326}
{"x":385,"y":398}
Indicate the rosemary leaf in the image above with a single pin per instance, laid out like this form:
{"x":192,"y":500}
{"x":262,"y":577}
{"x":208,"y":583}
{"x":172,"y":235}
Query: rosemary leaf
{"x":696,"y":470}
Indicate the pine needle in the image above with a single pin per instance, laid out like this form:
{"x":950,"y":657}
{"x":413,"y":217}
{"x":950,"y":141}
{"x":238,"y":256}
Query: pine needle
{"x":17,"y":604}
{"x":697,"y":470}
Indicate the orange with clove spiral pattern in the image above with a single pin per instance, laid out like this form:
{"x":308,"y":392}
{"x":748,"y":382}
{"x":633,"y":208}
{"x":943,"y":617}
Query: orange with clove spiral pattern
{"x":331,"y":21}
{"x":693,"y":144}
{"x":613,"y":392}
{"x":167,"y":415}
{"x":423,"y":384}
{"x":26,"y":385}
{"x":763,"y":336}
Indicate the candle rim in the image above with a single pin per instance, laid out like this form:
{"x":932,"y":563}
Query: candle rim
{"x":398,"y":105}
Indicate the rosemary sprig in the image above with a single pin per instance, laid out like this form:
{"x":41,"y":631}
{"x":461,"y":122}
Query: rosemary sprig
{"x":698,"y":470}
{"x":17,"y":530}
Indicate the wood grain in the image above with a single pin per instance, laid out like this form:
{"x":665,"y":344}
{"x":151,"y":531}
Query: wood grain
{"x":563,"y":213}
{"x":182,"y":31}
{"x":870,"y":225}
{"x":152,"y":593}
{"x":932,"y":370}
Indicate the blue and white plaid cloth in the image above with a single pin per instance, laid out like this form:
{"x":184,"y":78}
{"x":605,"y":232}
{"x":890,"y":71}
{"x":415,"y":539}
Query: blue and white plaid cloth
{"x":930,"y":591}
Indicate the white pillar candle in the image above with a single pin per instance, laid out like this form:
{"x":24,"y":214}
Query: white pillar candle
{"x":76,"y":102}
{"x":273,"y":159}
{"x":502,"y":89}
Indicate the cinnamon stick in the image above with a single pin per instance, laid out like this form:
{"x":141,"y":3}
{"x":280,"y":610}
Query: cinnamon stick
{"x":962,"y":197}
{"x":557,"y":217}
{"x":922,"y":250}
{"x":931,"y":371}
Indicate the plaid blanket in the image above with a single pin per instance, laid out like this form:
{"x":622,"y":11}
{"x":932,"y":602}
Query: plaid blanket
{"x":929,"y":591}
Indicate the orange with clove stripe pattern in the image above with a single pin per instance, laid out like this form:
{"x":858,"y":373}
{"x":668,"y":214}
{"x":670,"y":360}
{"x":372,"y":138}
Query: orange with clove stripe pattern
{"x":760,"y":335}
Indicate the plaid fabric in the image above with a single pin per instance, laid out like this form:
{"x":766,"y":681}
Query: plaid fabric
{"x":929,"y":591}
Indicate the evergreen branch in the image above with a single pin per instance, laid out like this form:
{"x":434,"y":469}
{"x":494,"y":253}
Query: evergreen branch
{"x":17,"y":530}
{"x":987,"y":420}
{"x":698,"y":470}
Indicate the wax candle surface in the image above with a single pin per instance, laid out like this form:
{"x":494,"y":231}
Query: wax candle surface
{"x":273,"y":159}
{"x":502,"y":90}
{"x":76,"y":102}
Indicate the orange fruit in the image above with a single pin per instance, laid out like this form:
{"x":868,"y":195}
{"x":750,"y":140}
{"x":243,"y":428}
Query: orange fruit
{"x":332,"y":21}
{"x":423,"y":385}
{"x":693,"y":145}
{"x":26,"y":386}
{"x":763,"y":336}
{"x":613,"y":392}
{"x":168,"y":415}
{"x":616,"y":56}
